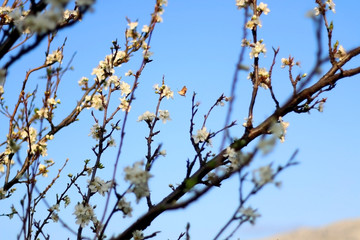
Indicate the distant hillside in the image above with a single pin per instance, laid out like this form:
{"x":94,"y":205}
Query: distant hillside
{"x":344,"y":230}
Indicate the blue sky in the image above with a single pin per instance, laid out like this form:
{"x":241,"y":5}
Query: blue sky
{"x":197,"y":45}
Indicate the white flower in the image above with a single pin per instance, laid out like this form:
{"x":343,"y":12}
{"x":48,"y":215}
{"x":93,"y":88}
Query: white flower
{"x":125,"y":207}
{"x":124,"y":104}
{"x":55,"y":207}
{"x":55,"y":217}
{"x":279,"y":129}
{"x":164,"y":115}
{"x":163,"y":2}
{"x":245,"y":42}
{"x":132,"y":25}
{"x":340,"y":53}
{"x":316,"y":11}
{"x":98,"y":102}
{"x":99,"y":185}
{"x":136,"y":175}
{"x":139,"y":178}
{"x":264,"y":78}
{"x":119,"y":58}
{"x":125,"y":88}
{"x":99,"y":73}
{"x":129,"y":73}
{"x":84,"y":214}
{"x":243,"y":3}
{"x":249,"y":213}
{"x":266,"y":145}
{"x":286,"y":62}
{"x":263,"y":7}
{"x":146,"y":116}
{"x":168,"y":93}
{"x":43,"y":170}
{"x":201,"y":135}
{"x":70,"y":13}
{"x":263,"y":175}
{"x":39,"y":148}
{"x":145,"y":29}
{"x":52,"y":101}
{"x":246,"y":123}
{"x":95,"y":131}
{"x":253,"y":22}
{"x":284,"y":126}
{"x":164,"y":91}
{"x":43,"y":113}
{"x":257,"y":49}
{"x":138,"y":235}
{"x":162,"y":153}
{"x":55,"y":56}
{"x":234,"y":157}
{"x":32,"y":133}
{"x":331,"y":5}
{"x":111,"y":142}
{"x":83,"y":81}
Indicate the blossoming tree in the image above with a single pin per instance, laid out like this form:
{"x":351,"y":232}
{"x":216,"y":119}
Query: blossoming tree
{"x":32,"y":124}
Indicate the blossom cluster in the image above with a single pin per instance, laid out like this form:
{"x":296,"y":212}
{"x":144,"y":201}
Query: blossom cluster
{"x":138,"y":177}
{"x":41,"y":22}
{"x":84,"y":213}
{"x":147,"y":116}
{"x":249,"y":213}
{"x":263,"y":175}
{"x":264,"y":78}
{"x":202,"y":135}
{"x":330,"y":4}
{"x":55,"y":56}
{"x":35,"y":147}
{"x":164,"y":91}
{"x":100,"y":186}
{"x":125,"y":207}
{"x":234,"y":158}
{"x":279,"y":129}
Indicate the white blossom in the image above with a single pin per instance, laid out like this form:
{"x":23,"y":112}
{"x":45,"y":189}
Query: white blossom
{"x":125,"y":207}
{"x":243,"y":3}
{"x":340,"y":53}
{"x":124,"y":104}
{"x":98,"y":102}
{"x":125,"y":88}
{"x":263,"y":175}
{"x":249,"y":213}
{"x":99,"y":185}
{"x":84,"y":214}
{"x":201,"y":135}
{"x":146,"y":116}
{"x":55,"y":56}
{"x":139,"y":178}
{"x":95,"y":131}
{"x":256,"y":49}
{"x":331,"y":5}
{"x":263,"y":8}
{"x":253,"y":22}
{"x":138,"y":235}
{"x":164,"y":91}
{"x":164,"y":115}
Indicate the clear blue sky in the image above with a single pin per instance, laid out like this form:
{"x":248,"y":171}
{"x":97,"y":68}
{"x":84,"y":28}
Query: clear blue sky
{"x":197,"y":45}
